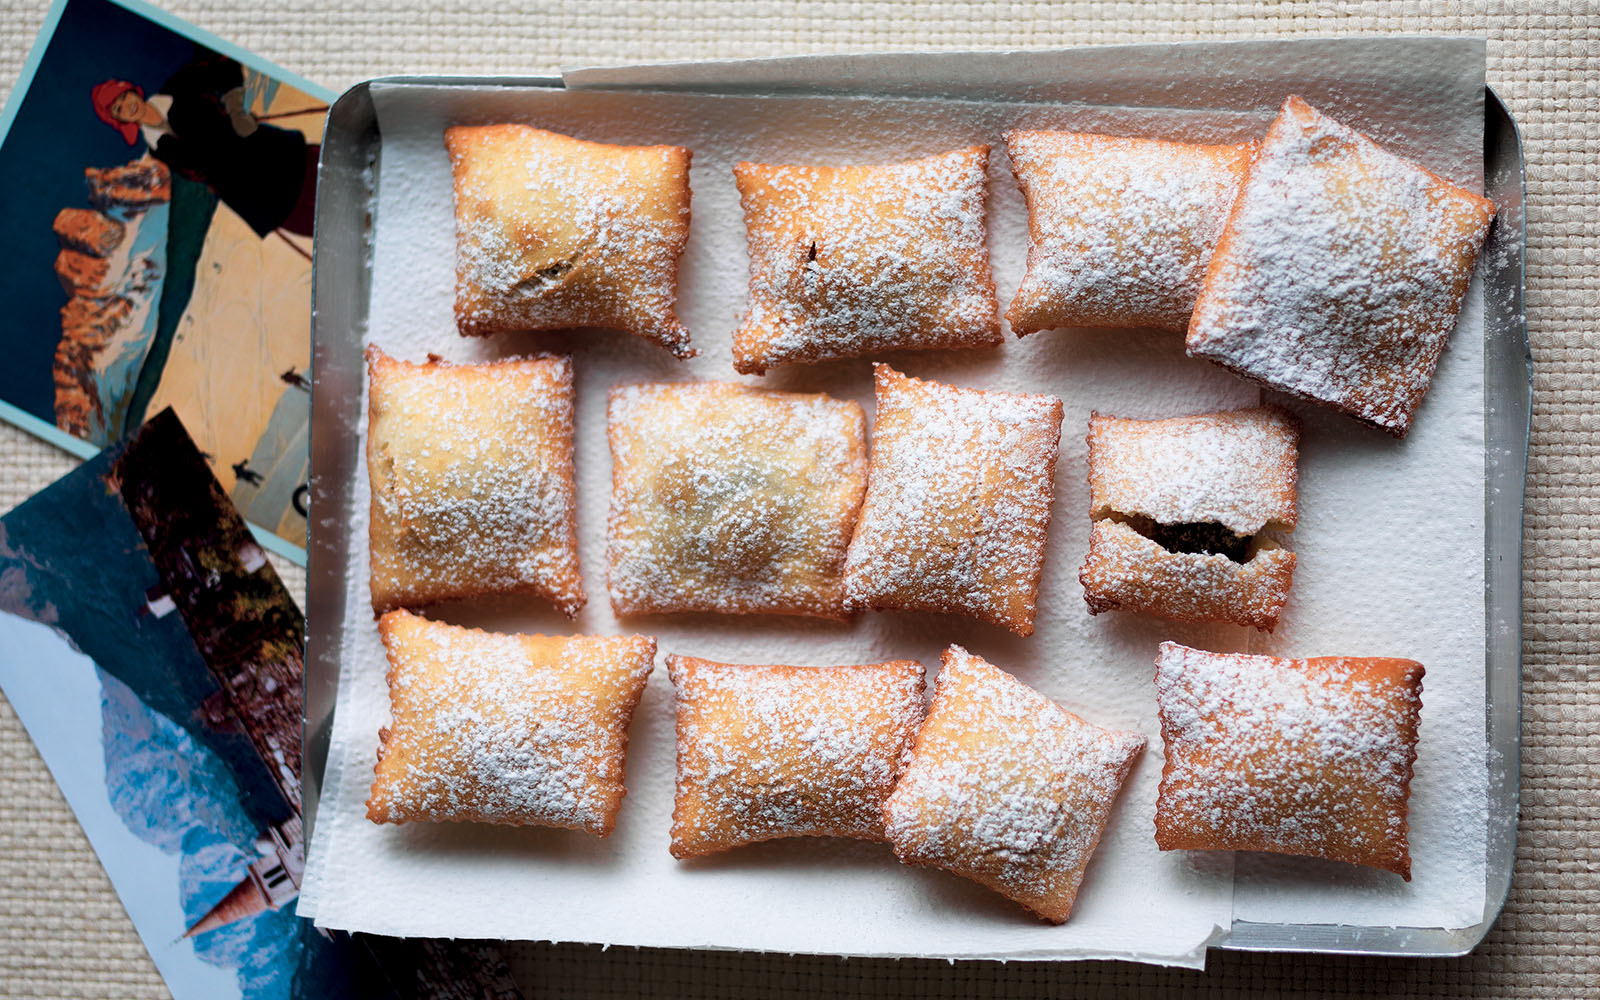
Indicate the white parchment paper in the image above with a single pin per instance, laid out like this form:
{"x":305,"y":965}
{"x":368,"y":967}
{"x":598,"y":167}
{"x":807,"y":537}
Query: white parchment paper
{"x":1390,"y":549}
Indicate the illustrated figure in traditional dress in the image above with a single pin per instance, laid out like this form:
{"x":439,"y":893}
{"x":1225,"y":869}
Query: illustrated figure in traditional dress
{"x":198,"y":125}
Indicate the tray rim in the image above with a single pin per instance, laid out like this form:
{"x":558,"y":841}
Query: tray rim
{"x":347,"y":187}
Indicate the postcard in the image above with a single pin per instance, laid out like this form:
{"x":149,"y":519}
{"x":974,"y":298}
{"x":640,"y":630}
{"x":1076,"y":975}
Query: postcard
{"x":157,"y":189}
{"x":155,"y":658}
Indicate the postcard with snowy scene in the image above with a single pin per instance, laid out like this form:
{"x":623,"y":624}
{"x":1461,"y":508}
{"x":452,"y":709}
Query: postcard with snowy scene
{"x":155,"y":659}
{"x":156,"y":201}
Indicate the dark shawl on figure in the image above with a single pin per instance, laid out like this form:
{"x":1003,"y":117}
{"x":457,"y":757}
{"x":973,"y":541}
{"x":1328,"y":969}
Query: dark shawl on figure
{"x":259,"y":176}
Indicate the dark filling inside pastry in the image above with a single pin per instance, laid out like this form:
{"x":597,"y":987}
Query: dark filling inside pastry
{"x":1206,"y":537}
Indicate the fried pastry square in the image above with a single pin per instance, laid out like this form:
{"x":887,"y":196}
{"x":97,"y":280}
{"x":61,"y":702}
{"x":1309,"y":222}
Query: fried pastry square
{"x":1120,"y":230}
{"x":1310,"y":757}
{"x":1007,"y":788}
{"x":471,"y":472}
{"x":782,"y":751}
{"x":846,"y":261}
{"x":524,"y":730}
{"x":1178,"y":509}
{"x":1340,"y":271}
{"x":554,"y":232}
{"x":958,"y":501}
{"x":731,"y":499}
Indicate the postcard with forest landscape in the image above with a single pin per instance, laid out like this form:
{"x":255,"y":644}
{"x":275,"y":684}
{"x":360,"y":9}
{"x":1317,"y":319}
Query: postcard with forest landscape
{"x":155,"y":659}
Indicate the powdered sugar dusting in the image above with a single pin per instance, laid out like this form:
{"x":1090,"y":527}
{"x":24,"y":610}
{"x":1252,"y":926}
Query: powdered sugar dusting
{"x":1006,"y":787}
{"x":846,"y":261}
{"x":554,"y":232}
{"x":784,"y":751}
{"x":958,"y":502}
{"x":832,"y":896}
{"x":1120,"y":229}
{"x":1340,"y":272}
{"x":732,"y":499}
{"x":471,"y":467}
{"x":1236,"y":468}
{"x":526,"y":730}
{"x":1307,"y":757}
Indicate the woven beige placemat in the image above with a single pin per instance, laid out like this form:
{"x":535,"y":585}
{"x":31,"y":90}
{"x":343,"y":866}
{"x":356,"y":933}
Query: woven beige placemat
{"x":63,"y":932}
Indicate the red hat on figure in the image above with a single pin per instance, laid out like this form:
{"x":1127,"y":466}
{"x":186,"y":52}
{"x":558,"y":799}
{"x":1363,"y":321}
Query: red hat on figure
{"x":104,"y":95}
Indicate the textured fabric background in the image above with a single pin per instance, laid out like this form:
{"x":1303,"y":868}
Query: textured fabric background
{"x":63,"y":932}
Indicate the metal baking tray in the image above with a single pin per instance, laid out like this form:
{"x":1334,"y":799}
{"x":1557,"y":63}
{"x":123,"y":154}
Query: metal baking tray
{"x":341,"y":282}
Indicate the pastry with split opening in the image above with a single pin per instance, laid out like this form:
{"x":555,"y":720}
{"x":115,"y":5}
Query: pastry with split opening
{"x":1181,"y":509}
